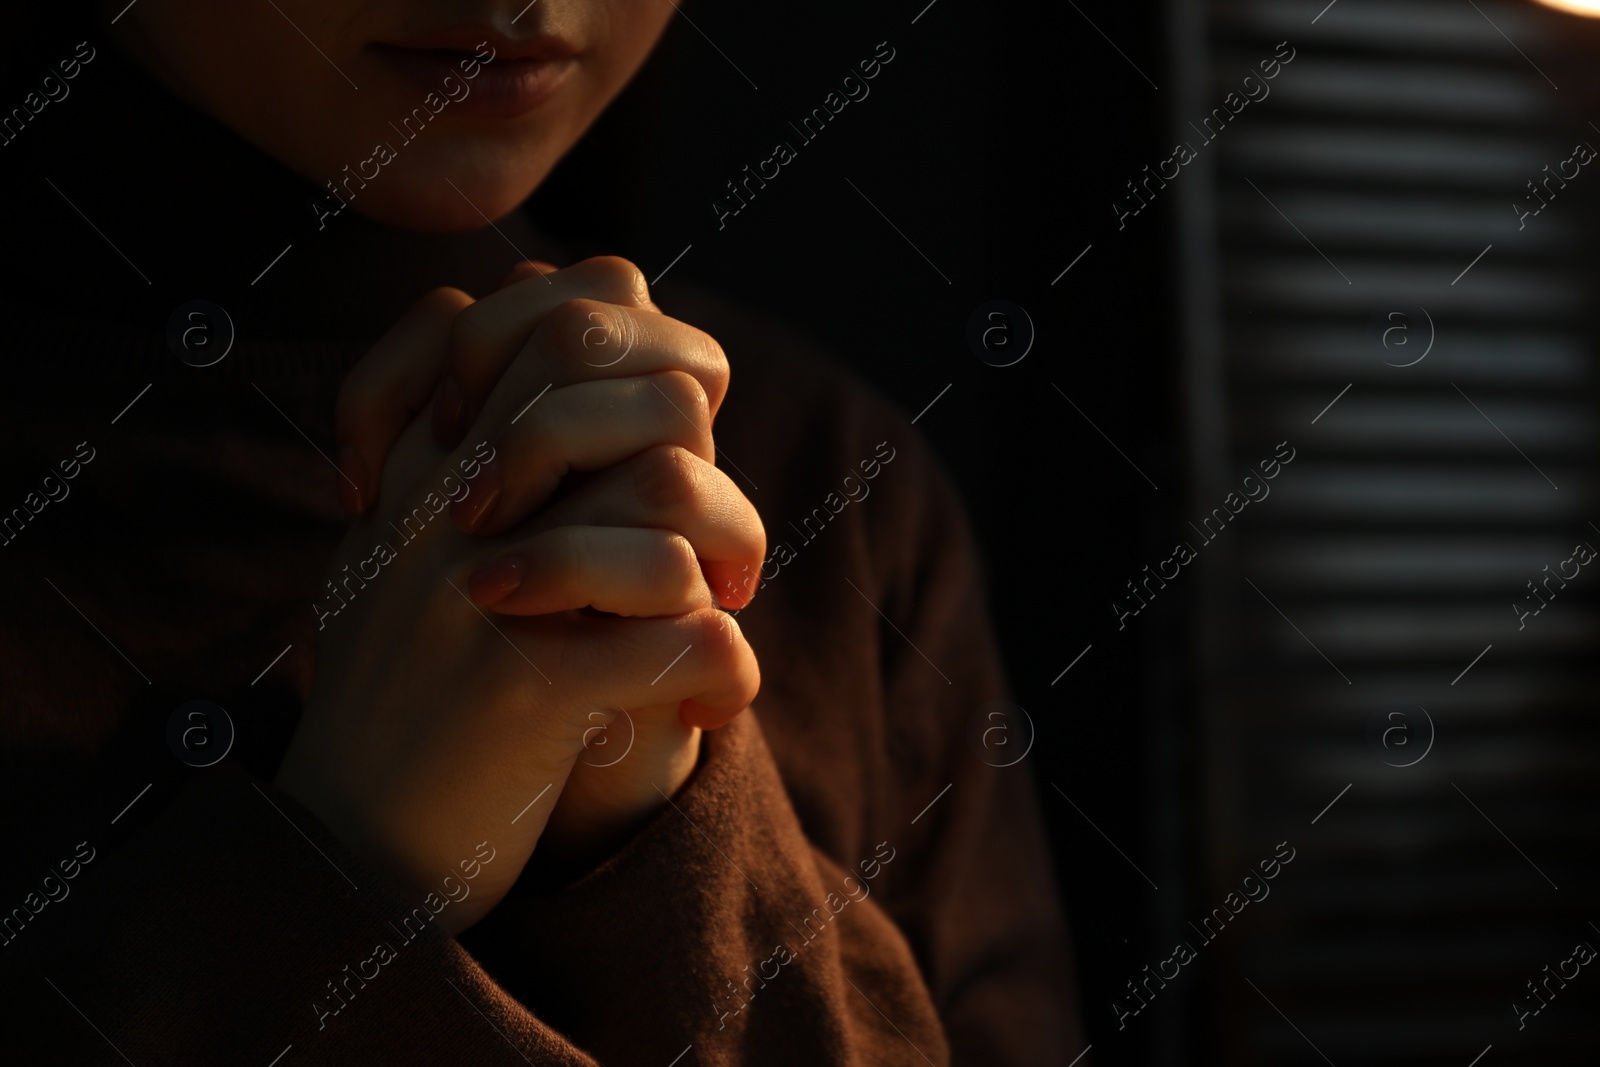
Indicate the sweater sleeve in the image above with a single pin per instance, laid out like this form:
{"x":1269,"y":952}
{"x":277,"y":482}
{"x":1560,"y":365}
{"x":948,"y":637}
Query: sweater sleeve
{"x":975,"y":894}
{"x":721,"y":929}
{"x":233,"y":928}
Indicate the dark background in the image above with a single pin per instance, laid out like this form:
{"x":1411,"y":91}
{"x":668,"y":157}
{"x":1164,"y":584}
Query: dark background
{"x":995,"y":140}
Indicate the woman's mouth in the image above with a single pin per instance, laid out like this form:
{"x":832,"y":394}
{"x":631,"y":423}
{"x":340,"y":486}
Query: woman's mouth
{"x":493,"y":78}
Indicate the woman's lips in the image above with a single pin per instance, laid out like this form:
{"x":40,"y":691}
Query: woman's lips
{"x":504,"y":87}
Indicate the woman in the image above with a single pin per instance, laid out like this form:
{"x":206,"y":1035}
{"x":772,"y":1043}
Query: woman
{"x":507,"y":791}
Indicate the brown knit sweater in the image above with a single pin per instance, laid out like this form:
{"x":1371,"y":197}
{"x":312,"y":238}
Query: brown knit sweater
{"x":845,"y":879}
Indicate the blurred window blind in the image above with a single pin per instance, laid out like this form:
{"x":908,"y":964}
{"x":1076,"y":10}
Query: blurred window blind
{"x":1365,"y":193}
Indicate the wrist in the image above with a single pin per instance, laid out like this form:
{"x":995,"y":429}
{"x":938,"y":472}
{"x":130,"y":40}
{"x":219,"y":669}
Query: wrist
{"x":605,"y":804}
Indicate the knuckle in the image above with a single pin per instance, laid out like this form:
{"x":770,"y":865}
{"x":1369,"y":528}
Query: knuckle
{"x":621,"y":277}
{"x":688,"y":397}
{"x":587,"y":331}
{"x":571,"y":314}
{"x":715,"y":356}
{"x":746,"y":669}
{"x":672,"y":566}
{"x":667,"y":478}
{"x":753,"y":537}
{"x":715,"y":360}
{"x":713,"y":640}
{"x":720,"y":646}
{"x":749,"y":685}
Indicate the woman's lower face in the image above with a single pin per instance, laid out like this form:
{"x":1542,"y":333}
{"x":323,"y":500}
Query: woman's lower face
{"x":430,"y":115}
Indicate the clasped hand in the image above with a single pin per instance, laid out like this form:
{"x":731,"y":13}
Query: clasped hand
{"x":576,"y":584}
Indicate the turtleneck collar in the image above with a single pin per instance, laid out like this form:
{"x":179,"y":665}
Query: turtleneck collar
{"x":124,"y":202}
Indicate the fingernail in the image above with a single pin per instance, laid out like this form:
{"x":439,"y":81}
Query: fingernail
{"x":496,"y":581}
{"x":470,"y":511}
{"x":352,"y":480}
{"x":449,"y":413}
{"x":738,"y":590}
